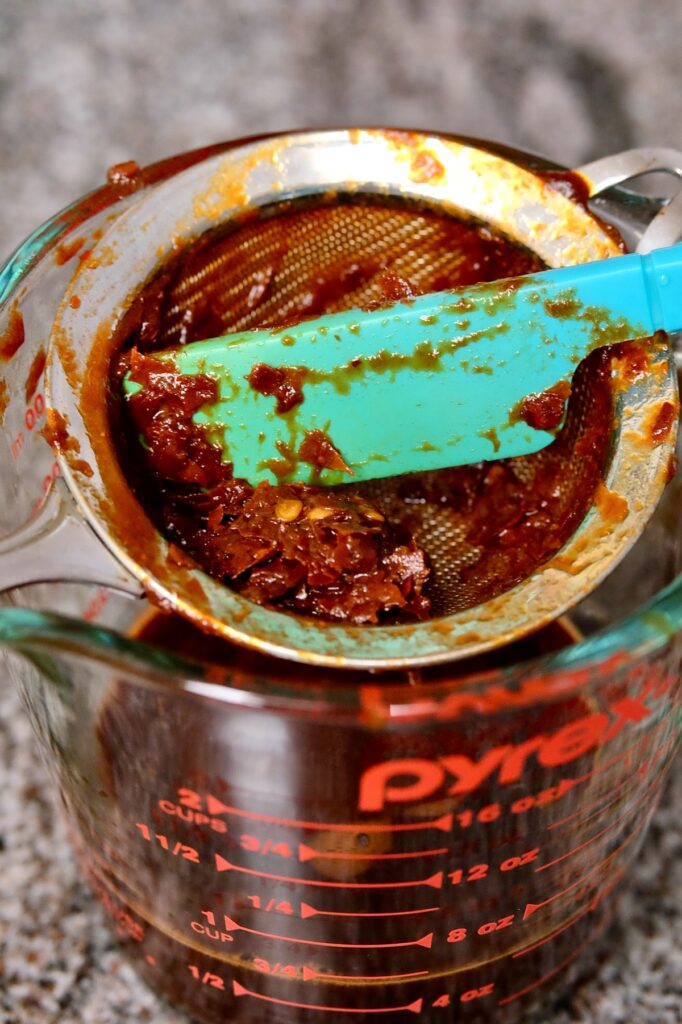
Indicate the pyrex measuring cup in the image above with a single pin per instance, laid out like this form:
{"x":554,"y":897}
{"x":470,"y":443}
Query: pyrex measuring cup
{"x":299,"y":844}
{"x":277,"y":850}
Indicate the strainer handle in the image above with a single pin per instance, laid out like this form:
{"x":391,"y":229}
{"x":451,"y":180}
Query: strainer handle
{"x":55,"y":545}
{"x":666,"y":227}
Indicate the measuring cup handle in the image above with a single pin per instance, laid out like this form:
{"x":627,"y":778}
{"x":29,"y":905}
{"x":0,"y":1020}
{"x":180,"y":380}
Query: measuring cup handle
{"x":56,"y":545}
{"x":631,"y":163}
{"x":666,"y":226}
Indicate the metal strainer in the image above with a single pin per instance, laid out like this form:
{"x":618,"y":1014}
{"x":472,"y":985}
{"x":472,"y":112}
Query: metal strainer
{"x":356,"y":205}
{"x":327,"y":258}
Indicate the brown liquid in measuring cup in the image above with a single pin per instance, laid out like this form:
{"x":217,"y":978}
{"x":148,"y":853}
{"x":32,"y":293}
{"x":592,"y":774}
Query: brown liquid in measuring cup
{"x":286,"y":865}
{"x":255,"y":886}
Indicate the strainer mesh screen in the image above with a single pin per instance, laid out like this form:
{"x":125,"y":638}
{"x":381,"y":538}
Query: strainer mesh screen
{"x":484,"y":527}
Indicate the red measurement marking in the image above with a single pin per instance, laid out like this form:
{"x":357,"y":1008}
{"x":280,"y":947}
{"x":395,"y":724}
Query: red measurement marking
{"x":310,"y":975}
{"x":234,"y":926}
{"x":179,"y":850}
{"x":553,"y":935}
{"x":256,"y":845}
{"x":564,"y":963}
{"x":308,"y":911}
{"x":273,"y":904}
{"x":17,"y":445}
{"x":95,"y":607}
{"x":532,"y":907}
{"x":215,"y":806}
{"x":604,"y":831}
{"x":599,"y":804}
{"x":605,"y":806}
{"x":308,"y":853}
{"x":34,"y":412}
{"x":239,"y":990}
{"x":620,"y":758}
{"x":435,"y":881}
{"x":623,"y":755}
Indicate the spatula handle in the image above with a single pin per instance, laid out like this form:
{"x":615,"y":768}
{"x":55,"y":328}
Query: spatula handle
{"x":662,"y":274}
{"x":642,"y":291}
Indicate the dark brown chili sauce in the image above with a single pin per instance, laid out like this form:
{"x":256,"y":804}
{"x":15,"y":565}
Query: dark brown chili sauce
{"x":161,"y":754}
{"x":341,"y":554}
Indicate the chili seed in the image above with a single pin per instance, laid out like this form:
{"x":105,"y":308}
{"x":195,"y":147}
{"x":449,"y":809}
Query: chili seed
{"x":288,"y":509}
{"x":318,"y":513}
{"x":373,"y":514}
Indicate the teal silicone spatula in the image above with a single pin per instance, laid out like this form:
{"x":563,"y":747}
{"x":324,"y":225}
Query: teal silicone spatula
{"x":445,"y":379}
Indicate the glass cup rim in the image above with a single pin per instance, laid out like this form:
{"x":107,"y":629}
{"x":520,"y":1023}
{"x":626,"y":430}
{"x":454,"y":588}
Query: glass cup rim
{"x":640,"y":635}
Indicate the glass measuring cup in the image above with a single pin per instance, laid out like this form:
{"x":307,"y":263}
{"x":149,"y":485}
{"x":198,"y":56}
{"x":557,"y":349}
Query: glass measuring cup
{"x":305,"y":843}
{"x":279,"y":848}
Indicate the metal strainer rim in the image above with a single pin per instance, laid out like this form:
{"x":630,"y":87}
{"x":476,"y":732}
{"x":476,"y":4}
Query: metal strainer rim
{"x":268,"y":167}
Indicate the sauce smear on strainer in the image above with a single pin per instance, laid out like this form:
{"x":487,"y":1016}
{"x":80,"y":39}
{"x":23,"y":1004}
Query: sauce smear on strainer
{"x":387,"y":551}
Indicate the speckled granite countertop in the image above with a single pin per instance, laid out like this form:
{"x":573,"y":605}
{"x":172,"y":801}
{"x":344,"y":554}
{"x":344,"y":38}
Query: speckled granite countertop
{"x":91,"y":82}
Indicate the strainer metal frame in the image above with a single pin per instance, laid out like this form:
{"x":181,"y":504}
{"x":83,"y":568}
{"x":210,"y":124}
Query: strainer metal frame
{"x":512,"y":199}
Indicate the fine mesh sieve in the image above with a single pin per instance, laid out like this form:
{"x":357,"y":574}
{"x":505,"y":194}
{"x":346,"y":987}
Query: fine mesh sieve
{"x":340,"y":255}
{"x":357,"y":206}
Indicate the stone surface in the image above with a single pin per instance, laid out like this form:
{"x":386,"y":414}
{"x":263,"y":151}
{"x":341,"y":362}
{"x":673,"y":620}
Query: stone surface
{"x":85,"y":84}
{"x":88,"y":83}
